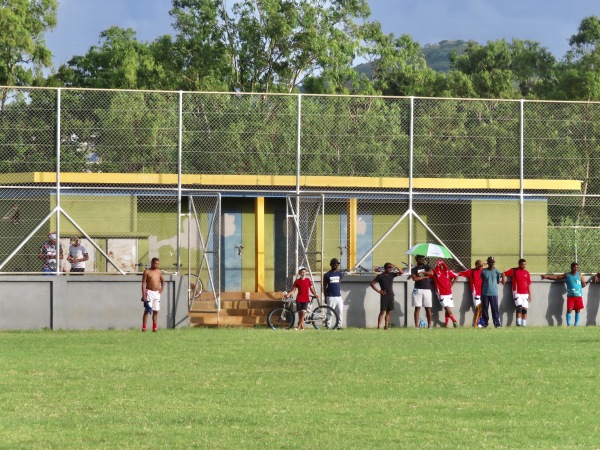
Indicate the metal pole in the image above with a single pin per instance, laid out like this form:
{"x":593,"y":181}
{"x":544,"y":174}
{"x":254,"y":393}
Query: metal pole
{"x":521,"y":181}
{"x":179,"y":169}
{"x":58,"y":207}
{"x":297,"y":212}
{"x":410,"y":170}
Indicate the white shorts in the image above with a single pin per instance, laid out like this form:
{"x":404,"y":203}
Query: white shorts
{"x":154,"y":298}
{"x":446,"y":301}
{"x":476,"y":300}
{"x":522,"y":300}
{"x":421,"y":297}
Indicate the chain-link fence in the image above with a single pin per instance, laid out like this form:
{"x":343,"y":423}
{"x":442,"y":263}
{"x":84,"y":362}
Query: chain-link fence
{"x":136,"y":174}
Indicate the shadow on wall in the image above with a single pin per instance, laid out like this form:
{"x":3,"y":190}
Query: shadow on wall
{"x":593,"y":303}
{"x":354,"y":306}
{"x":556,"y":303}
{"x":506,"y":304}
{"x":465,"y":307}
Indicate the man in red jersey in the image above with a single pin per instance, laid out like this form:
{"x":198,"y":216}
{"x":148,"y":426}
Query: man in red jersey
{"x":304,"y":287}
{"x":444,"y":278}
{"x":474,"y":276}
{"x":521,"y":282}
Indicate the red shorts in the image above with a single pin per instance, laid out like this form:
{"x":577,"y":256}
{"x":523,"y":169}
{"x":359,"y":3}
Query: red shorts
{"x":574,"y":303}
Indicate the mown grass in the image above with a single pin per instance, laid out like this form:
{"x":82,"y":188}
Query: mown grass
{"x":257,"y":388}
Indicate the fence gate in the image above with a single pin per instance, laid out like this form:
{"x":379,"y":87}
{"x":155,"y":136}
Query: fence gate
{"x":204,"y":252}
{"x":305,"y":236}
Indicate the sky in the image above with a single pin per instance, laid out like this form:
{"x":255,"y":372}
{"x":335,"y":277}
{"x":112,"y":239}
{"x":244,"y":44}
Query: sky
{"x":550,"y":22}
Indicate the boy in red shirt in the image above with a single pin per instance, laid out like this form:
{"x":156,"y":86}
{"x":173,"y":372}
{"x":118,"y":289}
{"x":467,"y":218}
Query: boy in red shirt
{"x":444,"y":278}
{"x":474,"y":276}
{"x":521,"y":282}
{"x":304,"y":286}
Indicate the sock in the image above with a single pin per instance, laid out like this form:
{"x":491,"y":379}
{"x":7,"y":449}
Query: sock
{"x":153,"y":327}
{"x":519,"y":321}
{"x":523,"y":322}
{"x":452,"y":317}
{"x":569,"y":319}
{"x":447,"y":318}
{"x":577,"y":317}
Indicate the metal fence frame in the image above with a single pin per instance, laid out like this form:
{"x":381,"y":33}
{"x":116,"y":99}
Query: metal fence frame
{"x":412,"y":193}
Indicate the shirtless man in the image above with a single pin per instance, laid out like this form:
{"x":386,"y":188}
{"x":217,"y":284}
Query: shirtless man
{"x":153,"y":284}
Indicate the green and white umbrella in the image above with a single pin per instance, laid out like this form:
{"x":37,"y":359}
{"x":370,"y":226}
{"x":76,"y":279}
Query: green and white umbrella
{"x":427,"y":249}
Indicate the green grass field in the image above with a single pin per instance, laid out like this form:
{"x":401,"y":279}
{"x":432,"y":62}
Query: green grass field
{"x":257,"y":388}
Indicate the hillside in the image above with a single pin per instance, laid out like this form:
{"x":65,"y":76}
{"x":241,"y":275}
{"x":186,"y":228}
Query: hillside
{"x":437,"y":56}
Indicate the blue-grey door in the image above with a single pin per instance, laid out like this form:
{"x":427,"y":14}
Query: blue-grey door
{"x":364,"y":239}
{"x":231,"y":251}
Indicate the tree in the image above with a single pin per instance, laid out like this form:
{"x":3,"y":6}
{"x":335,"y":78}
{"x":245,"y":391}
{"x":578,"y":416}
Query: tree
{"x":501,"y":69}
{"x":266,"y":45}
{"x":23,"y":49}
{"x":119,"y":62}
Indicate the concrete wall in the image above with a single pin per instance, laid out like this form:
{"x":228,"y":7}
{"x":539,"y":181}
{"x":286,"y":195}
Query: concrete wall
{"x":85,"y":302}
{"x":548,"y":308}
{"x":103,"y":302}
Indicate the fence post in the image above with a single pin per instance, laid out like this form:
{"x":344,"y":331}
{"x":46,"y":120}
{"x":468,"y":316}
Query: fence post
{"x":411,"y":142}
{"x":58,"y":207}
{"x":521,"y":180}
{"x":179,"y":170}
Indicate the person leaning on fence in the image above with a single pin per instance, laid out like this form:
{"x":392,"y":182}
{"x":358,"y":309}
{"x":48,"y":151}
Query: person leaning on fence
{"x":521,"y":290}
{"x":443,"y":279}
{"x":474,"y":276}
{"x":490,"y":279}
{"x":47,"y":254}
{"x":575,"y":285}
{"x":386,"y":292}
{"x":78,"y":255}
{"x":333,"y":294}
{"x":304,"y":287}
{"x":421,"y":295}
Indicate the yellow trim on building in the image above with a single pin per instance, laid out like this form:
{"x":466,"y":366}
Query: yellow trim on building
{"x":259,"y":230}
{"x":352,"y":219}
{"x":288,"y":180}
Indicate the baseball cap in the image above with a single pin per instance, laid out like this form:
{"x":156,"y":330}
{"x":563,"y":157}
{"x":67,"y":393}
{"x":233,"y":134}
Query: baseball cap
{"x":491,"y":259}
{"x":301,"y":268}
{"x":333,"y":261}
{"x":52,"y":236}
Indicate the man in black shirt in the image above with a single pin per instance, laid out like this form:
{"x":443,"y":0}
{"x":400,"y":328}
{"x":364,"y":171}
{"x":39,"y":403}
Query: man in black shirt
{"x":421,"y":296}
{"x":386,"y":290}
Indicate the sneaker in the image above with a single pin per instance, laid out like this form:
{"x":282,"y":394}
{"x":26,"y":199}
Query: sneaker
{"x":479,"y":326}
{"x":455,"y":324}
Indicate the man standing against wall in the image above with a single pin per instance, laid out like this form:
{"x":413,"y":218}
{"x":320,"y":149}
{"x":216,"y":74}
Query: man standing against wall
{"x":333,"y":295}
{"x":521,"y":282}
{"x":575,"y":285}
{"x":490,"y":279}
{"x":474,"y":276}
{"x":421,"y":296}
{"x":153,"y":284}
{"x":48,"y":253}
{"x":386,"y":291}
{"x":78,"y":255}
{"x":444,"y":278}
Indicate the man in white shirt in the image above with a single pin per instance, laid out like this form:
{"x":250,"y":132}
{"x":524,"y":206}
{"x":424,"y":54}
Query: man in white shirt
{"x":78,"y":255}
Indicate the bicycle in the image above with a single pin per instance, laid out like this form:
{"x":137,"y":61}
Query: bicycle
{"x":317,"y":315}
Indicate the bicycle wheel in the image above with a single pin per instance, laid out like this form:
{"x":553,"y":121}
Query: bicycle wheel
{"x":196,"y":287}
{"x":319,"y":318}
{"x":281,"y":319}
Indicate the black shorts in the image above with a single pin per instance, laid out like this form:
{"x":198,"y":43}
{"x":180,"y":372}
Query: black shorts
{"x":302,"y":306}
{"x":386,"y":303}
{"x":77,"y":269}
